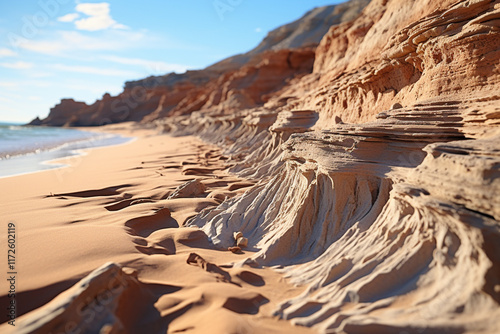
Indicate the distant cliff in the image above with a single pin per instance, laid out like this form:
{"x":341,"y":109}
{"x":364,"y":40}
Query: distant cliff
{"x":241,"y":81}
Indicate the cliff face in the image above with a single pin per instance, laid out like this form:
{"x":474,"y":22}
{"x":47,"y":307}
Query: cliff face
{"x":402,"y":53}
{"x":241,"y":81}
{"x":378,"y":173}
{"x":62,"y":113}
{"x":246,"y":87}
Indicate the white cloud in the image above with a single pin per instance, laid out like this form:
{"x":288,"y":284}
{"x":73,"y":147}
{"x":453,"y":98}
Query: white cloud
{"x":4,"y":52}
{"x":72,"y":41}
{"x":34,"y":98}
{"x":93,"y":70}
{"x":94,"y":9}
{"x":45,"y":47}
{"x":18,"y":65}
{"x":68,"y":17}
{"x":95,"y":23}
{"x":149,"y":65}
{"x":258,"y":29}
{"x":99,"y":17}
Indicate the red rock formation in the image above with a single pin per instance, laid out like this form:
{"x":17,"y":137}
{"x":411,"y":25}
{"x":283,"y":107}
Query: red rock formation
{"x":385,"y":208}
{"x":245,"y":87}
{"x":249,"y":86}
{"x":398,"y":52}
{"x":63,"y":113}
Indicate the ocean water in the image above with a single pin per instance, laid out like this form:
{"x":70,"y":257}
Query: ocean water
{"x":26,"y":149}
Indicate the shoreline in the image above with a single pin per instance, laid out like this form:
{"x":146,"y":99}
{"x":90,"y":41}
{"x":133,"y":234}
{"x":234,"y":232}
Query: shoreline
{"x":36,"y":147}
{"x":48,"y":158}
{"x":115,"y":205}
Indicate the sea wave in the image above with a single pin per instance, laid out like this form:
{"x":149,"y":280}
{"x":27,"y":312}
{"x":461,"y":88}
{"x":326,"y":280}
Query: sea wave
{"x":26,"y":154}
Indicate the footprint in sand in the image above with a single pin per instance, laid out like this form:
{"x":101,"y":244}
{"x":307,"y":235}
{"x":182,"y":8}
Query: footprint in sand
{"x":145,"y":225}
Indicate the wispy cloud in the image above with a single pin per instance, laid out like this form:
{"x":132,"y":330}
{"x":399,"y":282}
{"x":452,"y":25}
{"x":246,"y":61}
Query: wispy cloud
{"x":93,"y":70}
{"x":71,"y":42}
{"x":98,"y":17}
{"x":4,"y":52}
{"x":149,"y":65}
{"x":68,"y":17}
{"x":18,"y":65}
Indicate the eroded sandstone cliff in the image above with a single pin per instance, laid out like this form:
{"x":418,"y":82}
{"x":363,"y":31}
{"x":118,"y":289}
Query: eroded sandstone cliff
{"x":379,"y":173}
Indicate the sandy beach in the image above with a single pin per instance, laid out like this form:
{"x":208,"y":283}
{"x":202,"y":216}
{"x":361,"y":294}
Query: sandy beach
{"x":340,"y":177}
{"x":112,"y":205}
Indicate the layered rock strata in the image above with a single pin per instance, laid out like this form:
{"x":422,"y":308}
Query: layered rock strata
{"x":385,"y":204}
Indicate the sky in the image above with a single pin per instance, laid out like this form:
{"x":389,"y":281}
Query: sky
{"x":53,"y":49}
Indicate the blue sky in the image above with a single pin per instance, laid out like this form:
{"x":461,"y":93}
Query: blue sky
{"x":52,"y":49}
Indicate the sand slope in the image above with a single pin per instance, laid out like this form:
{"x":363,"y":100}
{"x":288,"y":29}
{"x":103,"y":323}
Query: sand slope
{"x":108,"y":232}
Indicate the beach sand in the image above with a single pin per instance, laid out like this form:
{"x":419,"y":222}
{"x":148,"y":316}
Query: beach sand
{"x":112,"y":205}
